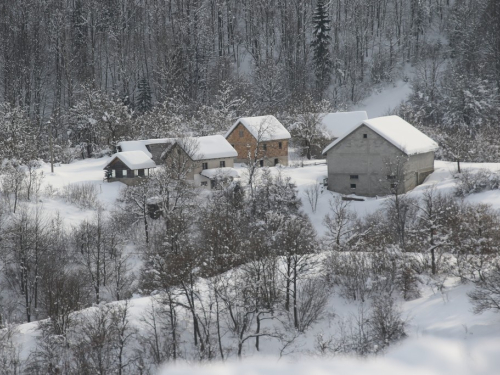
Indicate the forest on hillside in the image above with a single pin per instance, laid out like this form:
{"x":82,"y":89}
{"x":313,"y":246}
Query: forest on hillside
{"x":240,"y":269}
{"x":87,"y":74}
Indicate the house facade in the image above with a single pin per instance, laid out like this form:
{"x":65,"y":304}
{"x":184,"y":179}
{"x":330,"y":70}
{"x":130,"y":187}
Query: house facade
{"x":262,"y":139}
{"x":378,"y":157}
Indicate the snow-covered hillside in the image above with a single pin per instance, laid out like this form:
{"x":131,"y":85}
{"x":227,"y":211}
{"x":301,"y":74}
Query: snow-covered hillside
{"x":444,"y":335}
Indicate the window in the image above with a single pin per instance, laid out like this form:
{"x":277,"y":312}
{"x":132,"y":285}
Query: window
{"x":261,"y":163}
{"x":280,"y":145}
{"x":146,"y":172}
{"x":213,"y":184}
{"x":204,"y":166}
{"x":264,"y":147}
{"x":241,"y":133}
{"x":365,"y":135}
{"x":222,"y":164}
{"x":394,"y":185}
{"x":276,"y":161}
{"x":354,"y":177}
{"x":141,"y":172}
{"x":391,"y":177}
{"x":136,"y":172}
{"x":353,"y":186}
{"x":124,"y":173}
{"x":204,"y":183}
{"x":113,"y":173}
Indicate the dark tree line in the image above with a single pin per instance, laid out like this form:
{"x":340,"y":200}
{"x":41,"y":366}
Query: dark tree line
{"x":68,"y":64}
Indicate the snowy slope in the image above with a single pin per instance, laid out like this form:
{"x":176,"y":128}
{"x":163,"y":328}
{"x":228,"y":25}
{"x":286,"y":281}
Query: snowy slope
{"x":444,"y":335}
{"x":382,"y":102}
{"x":81,"y":171}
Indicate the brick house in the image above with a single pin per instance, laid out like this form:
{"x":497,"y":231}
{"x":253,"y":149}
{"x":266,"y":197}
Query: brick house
{"x":379,"y":156}
{"x":262,"y":139}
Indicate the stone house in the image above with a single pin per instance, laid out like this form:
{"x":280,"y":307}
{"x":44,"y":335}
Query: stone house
{"x":211,"y":152}
{"x":379,"y":156}
{"x":129,"y":167}
{"x":262,"y":139}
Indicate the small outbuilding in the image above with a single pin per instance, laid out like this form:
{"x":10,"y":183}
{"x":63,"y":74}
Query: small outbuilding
{"x":262,"y":138}
{"x":379,"y":156}
{"x":128,"y":167}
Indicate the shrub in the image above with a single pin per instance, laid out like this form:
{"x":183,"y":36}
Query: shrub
{"x":83,"y":195}
{"x":470,"y":182}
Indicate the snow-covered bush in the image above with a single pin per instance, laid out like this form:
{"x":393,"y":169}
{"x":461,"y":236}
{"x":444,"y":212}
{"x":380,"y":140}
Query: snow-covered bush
{"x":83,"y":195}
{"x":486,"y":295}
{"x":371,"y":330}
{"x":361,"y":275}
{"x":470,"y":182}
{"x":312,"y":299}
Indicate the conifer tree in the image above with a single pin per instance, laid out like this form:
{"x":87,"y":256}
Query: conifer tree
{"x":144,"y":100}
{"x":321,"y":43}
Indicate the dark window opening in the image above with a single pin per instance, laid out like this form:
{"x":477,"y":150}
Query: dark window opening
{"x":213,"y":184}
{"x":241,"y":133}
{"x":264,"y":147}
{"x":353,"y":186}
{"x":394,"y":185}
{"x":354,"y":177}
{"x":141,"y":172}
{"x":222,"y":164}
{"x":204,"y":183}
{"x":280,"y":145}
{"x":391,"y":177}
{"x":261,"y":163}
{"x":276,"y":161}
{"x":365,"y":135}
{"x":204,"y":166}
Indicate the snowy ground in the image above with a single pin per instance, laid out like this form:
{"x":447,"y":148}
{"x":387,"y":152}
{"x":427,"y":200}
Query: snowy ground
{"x":382,"y":102}
{"x":445,"y":336}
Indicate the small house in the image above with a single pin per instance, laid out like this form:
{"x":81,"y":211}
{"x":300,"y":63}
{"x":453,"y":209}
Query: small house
{"x":263,"y":139}
{"x":379,"y":156}
{"x":154,"y":148}
{"x":211,"y":152}
{"x":128,"y":167}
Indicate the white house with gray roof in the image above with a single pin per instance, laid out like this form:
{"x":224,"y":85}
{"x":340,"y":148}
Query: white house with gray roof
{"x":378,"y":156}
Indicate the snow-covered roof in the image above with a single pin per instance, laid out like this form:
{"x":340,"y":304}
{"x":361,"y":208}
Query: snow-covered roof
{"x":397,"y":131}
{"x":214,"y":147}
{"x":224,"y":172}
{"x":339,"y":123}
{"x":141,"y":144}
{"x":134,"y":159}
{"x":265,"y":128}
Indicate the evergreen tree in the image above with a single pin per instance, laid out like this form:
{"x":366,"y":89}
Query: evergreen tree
{"x":320,"y":43}
{"x":144,"y":101}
